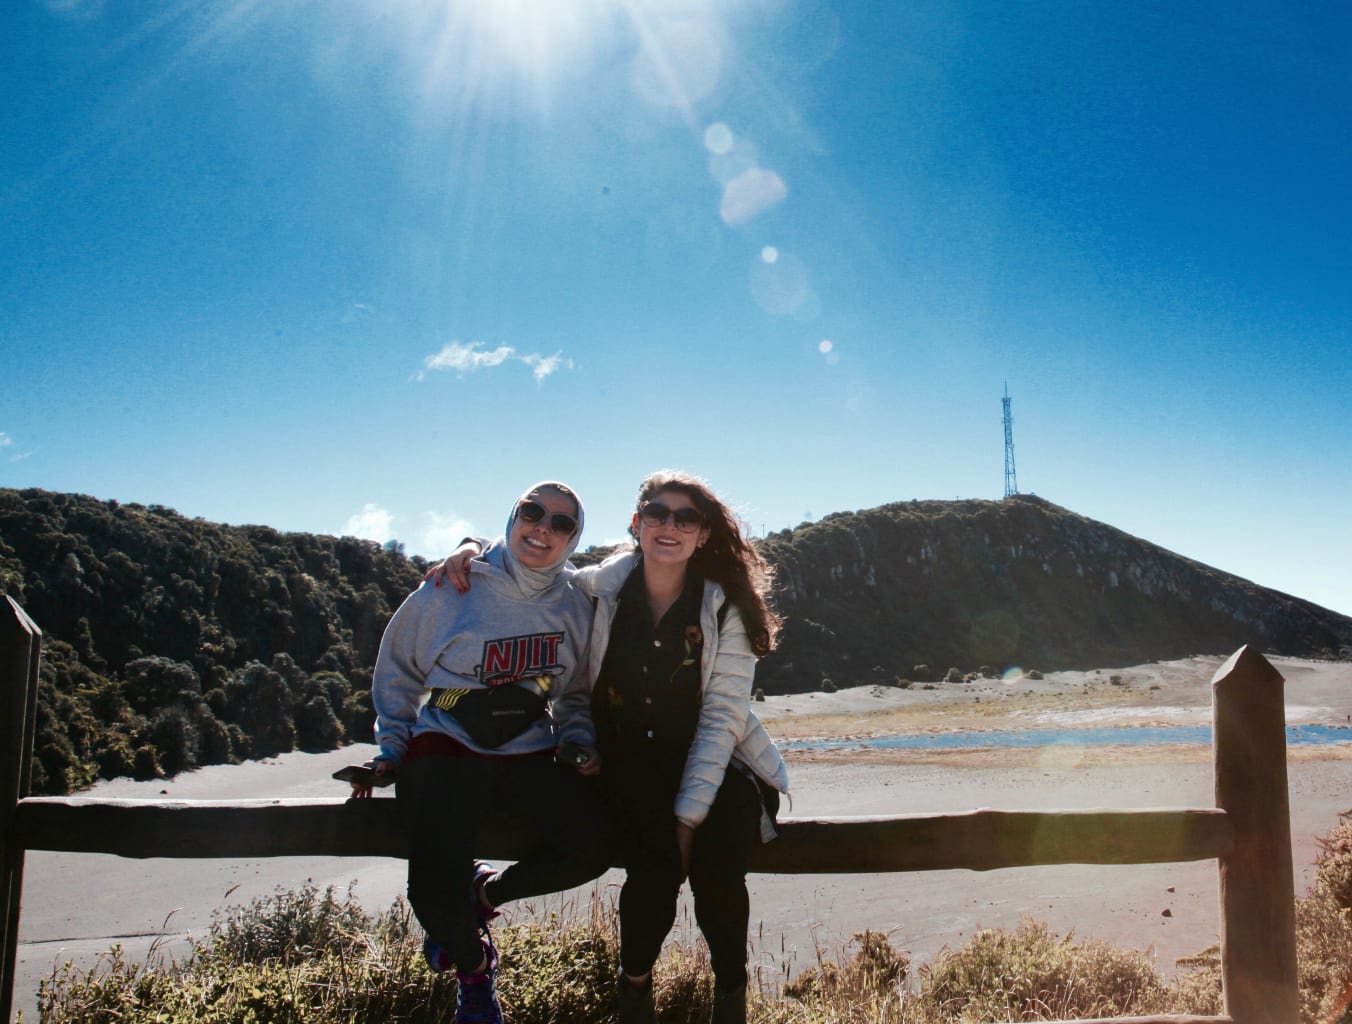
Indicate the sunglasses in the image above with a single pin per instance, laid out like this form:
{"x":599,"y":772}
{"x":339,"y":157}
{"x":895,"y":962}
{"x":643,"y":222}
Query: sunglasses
{"x":654,"y":513}
{"x":559,"y":522}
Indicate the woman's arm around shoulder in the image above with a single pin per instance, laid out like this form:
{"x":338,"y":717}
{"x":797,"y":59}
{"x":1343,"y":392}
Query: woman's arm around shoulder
{"x":605,"y":579}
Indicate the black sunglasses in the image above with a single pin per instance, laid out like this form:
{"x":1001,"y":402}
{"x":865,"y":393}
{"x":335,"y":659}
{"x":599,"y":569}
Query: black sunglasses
{"x":559,"y":522}
{"x":654,"y":513}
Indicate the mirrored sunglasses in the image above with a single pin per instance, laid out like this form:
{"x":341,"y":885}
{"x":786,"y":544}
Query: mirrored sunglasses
{"x":654,"y":513}
{"x":559,"y":522}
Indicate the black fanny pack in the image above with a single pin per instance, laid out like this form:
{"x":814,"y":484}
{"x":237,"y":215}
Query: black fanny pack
{"x":491,"y":715}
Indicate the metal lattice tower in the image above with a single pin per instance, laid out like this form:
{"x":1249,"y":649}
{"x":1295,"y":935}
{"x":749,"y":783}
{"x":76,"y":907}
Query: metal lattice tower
{"x":1011,"y":478}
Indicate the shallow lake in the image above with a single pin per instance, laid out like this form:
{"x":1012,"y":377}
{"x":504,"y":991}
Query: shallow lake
{"x":1140,"y":735}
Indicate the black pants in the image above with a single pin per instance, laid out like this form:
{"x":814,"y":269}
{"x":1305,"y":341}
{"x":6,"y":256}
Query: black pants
{"x":443,"y":801}
{"x":718,"y":862}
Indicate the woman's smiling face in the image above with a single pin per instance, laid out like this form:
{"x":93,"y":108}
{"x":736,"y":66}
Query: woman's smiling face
{"x":668,"y":544}
{"x":537,"y":545}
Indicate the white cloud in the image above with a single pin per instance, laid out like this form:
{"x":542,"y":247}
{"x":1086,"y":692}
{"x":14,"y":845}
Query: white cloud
{"x":436,"y":538}
{"x":440,"y":535}
{"x":7,"y":442}
{"x":358,"y":311}
{"x":543,"y":366}
{"x":467,"y":358}
{"x":463,"y":359}
{"x":371,"y":523}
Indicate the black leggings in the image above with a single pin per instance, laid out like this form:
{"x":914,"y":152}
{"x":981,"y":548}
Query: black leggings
{"x":442,"y":803}
{"x":718,"y":862}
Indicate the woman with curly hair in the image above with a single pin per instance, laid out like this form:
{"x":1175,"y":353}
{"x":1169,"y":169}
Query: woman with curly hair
{"x":692,"y":779}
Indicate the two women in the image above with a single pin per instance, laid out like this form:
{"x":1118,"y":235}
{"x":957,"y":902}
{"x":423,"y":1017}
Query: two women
{"x":482,"y":744}
{"x":691,"y":777}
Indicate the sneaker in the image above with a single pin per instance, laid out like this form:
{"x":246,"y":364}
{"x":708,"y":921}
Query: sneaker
{"x":437,"y":958}
{"x":484,"y":873}
{"x":634,"y":1005}
{"x":476,"y":1002}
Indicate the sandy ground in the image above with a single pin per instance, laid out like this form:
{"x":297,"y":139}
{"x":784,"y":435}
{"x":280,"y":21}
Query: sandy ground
{"x":75,"y":905}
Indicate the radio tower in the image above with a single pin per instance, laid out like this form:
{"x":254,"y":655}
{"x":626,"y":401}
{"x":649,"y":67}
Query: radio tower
{"x":1011,"y":478}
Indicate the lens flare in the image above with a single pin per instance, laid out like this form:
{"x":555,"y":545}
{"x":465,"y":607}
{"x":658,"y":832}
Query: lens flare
{"x":718,"y":139}
{"x":780,"y":287}
{"x":750,"y":194}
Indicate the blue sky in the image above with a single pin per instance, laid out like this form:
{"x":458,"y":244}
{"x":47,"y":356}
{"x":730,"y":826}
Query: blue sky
{"x":374,"y":267}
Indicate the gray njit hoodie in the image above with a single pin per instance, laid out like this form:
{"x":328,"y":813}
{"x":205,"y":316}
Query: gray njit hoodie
{"x":504,"y":632}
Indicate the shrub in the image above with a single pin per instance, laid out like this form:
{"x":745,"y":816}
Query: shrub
{"x":876,"y":969}
{"x":289,"y":926}
{"x":1031,"y":973}
{"x":145,"y":765}
{"x":1324,"y":933}
{"x":317,"y":727}
{"x":1333,"y":865}
{"x":559,"y":972}
{"x":174,"y":736}
{"x":1197,"y":989}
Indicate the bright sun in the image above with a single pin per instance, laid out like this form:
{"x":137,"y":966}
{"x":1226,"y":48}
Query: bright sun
{"x":475,"y":51}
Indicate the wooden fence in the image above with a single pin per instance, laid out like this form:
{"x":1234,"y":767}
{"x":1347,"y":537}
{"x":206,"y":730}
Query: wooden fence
{"x":1248,"y":831}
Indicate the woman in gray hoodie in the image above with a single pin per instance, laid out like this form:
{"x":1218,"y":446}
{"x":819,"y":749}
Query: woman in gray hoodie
{"x":470,"y":688}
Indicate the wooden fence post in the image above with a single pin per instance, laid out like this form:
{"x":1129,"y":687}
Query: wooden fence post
{"x":20,"y":651}
{"x":1257,"y":882}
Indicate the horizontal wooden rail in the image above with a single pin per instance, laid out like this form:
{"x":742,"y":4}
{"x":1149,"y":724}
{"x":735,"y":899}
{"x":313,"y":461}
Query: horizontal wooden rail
{"x":978,"y":840}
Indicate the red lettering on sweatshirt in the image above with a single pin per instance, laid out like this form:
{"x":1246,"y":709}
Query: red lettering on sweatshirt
{"x":511,"y":659}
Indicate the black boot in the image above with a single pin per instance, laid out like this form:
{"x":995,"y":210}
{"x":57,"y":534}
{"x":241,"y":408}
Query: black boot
{"x":634,"y":1003}
{"x":729,"y":1005}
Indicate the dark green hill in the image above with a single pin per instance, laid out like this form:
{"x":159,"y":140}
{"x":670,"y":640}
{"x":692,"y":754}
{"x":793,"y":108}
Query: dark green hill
{"x":965,"y":584}
{"x":171,"y":642}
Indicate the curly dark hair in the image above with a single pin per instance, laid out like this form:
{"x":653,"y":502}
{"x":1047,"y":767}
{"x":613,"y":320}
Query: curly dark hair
{"x":727,"y":557}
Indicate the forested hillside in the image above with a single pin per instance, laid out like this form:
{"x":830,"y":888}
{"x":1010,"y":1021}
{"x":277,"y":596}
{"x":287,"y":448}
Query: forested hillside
{"x":172,"y":642}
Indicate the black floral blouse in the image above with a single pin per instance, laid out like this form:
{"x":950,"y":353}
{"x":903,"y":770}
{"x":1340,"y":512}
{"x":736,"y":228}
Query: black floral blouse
{"x":646,"y":701}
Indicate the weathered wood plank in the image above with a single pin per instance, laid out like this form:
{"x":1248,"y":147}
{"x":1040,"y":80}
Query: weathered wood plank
{"x":982,"y":840}
{"x":1257,"y":878}
{"x":979,"y":840}
{"x":20,"y":651}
